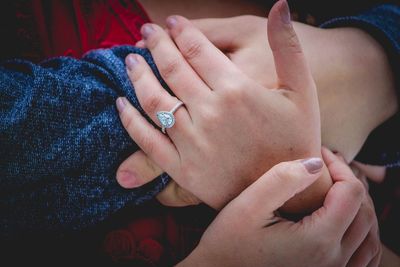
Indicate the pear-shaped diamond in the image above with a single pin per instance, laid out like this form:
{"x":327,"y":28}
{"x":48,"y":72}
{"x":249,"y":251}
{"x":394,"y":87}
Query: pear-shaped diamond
{"x":166,"y":119}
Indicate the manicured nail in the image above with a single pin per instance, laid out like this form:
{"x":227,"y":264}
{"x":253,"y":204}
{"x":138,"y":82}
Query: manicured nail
{"x":171,"y":22}
{"x":131,"y":61}
{"x":146,"y":31}
{"x":128,"y":179}
{"x":285,"y":13}
{"x":121,"y":103}
{"x":313,"y":165}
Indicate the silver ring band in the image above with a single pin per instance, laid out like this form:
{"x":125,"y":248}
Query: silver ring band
{"x":167,"y":118}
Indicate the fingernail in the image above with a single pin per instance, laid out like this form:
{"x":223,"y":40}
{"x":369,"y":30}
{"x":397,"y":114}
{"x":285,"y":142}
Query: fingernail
{"x":313,"y":165}
{"x":171,"y":22}
{"x":131,"y":61}
{"x":140,"y":44}
{"x":121,"y":103}
{"x":127,"y":179}
{"x":146,"y":31}
{"x":285,"y":13}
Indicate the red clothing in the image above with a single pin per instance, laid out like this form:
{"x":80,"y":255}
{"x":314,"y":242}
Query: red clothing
{"x":74,"y":27}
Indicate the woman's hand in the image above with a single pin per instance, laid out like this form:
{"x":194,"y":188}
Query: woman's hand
{"x":248,"y":232}
{"x":346,"y":63}
{"x":232,"y":129}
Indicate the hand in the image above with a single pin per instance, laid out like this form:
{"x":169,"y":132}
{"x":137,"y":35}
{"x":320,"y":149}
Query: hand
{"x":374,"y":173}
{"x":210,"y":152}
{"x":247,"y":232}
{"x":346,"y":63}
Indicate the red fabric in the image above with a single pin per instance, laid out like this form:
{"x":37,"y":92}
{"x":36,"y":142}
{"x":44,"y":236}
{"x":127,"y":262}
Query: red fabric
{"x":148,"y":239}
{"x":74,"y":27}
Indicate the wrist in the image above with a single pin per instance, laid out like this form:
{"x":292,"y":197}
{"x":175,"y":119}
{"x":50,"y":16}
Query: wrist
{"x":355,"y":85}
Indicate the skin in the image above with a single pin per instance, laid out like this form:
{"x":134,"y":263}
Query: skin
{"x":221,"y":105}
{"x":159,"y":10}
{"x":346,"y":225}
{"x":347,"y":65}
{"x":389,"y":107}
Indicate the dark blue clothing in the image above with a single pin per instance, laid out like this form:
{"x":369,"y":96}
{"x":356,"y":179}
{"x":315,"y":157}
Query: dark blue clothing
{"x":61,"y":140}
{"x":382,"y":23}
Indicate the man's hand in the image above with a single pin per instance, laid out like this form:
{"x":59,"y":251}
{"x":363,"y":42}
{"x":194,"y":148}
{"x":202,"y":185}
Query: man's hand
{"x":248,"y":232}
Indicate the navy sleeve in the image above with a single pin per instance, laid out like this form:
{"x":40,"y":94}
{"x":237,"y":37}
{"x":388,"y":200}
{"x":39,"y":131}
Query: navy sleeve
{"x":383,"y":23}
{"x":61,"y":142}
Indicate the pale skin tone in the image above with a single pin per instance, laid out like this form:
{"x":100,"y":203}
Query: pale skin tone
{"x":353,"y":77}
{"x":189,"y":198}
{"x":220,"y":109}
{"x":346,"y":225}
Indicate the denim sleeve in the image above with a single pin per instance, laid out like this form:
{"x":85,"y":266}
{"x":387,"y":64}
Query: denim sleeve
{"x":61,"y":142}
{"x":383,"y":23}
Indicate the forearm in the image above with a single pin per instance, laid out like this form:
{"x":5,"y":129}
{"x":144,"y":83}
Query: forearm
{"x":356,"y":93}
{"x":382,"y":24}
{"x":355,"y":85}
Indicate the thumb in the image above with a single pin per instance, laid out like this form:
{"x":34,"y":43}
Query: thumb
{"x":291,"y":67}
{"x":277,"y":186}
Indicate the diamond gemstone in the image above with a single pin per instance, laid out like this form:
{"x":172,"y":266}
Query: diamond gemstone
{"x":166,"y":118}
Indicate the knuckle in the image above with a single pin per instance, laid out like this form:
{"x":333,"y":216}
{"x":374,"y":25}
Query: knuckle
{"x":169,"y":69}
{"x":152,"y":103}
{"x":192,"y":50}
{"x":369,"y":214}
{"x":212,"y":118}
{"x":293,"y":42}
{"x":233,"y":95}
{"x":375,"y":247}
{"x":357,"y":190}
{"x":283,"y":171}
{"x":234,"y":91}
{"x":146,"y":143}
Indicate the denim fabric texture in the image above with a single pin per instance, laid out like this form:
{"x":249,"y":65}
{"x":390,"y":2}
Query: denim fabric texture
{"x":61,"y":142}
{"x":383,"y":23}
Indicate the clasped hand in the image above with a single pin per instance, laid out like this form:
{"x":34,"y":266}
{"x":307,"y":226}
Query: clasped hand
{"x":231,"y":129}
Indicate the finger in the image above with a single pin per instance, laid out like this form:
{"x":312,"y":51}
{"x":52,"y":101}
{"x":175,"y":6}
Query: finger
{"x":224,"y":33}
{"x":156,"y":145}
{"x":137,"y":170}
{"x":275,"y":187}
{"x":365,"y":254}
{"x":337,"y":166}
{"x":373,"y":172}
{"x":343,"y":200}
{"x":175,"y":196}
{"x":210,"y":63}
{"x":358,"y":229}
{"x":177,"y":73}
{"x":291,"y":67}
{"x":140,"y":44}
{"x":152,"y":96}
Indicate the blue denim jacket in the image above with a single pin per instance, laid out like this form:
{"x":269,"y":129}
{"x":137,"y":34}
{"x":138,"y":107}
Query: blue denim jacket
{"x":61,"y":140}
